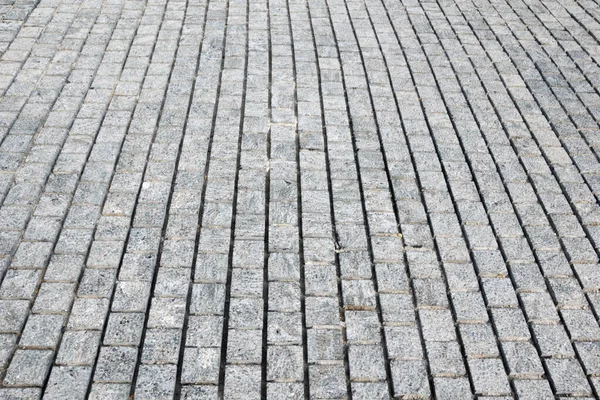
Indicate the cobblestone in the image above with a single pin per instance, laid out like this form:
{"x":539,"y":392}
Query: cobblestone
{"x":321,"y":199}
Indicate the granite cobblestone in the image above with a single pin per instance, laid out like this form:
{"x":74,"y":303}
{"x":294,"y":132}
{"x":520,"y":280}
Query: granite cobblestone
{"x":321,"y":199}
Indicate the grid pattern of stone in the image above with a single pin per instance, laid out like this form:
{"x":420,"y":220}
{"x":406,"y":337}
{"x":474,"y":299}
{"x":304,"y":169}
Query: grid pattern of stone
{"x":299,"y":199}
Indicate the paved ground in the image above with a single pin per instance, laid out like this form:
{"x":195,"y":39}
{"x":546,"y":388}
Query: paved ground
{"x":293,"y":199}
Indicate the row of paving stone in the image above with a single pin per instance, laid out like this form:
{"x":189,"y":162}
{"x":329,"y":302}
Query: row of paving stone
{"x":13,"y":13}
{"x":322,"y":199}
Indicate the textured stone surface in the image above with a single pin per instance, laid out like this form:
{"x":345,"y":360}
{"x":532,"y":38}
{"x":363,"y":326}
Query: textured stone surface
{"x":298,"y":199}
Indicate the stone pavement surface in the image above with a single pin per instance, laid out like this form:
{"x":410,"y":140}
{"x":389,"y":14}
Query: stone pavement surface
{"x":299,"y":199}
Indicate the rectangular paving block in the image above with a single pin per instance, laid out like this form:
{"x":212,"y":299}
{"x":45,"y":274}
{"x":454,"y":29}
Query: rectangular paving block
{"x":299,"y":199}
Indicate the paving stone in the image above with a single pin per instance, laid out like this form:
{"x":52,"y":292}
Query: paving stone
{"x":568,"y":376}
{"x":20,"y":393}
{"x":285,"y":363}
{"x":282,"y":328}
{"x":589,"y":353}
{"x":246,"y":313}
{"x":131,"y":296}
{"x":88,"y":313}
{"x":350,"y":176}
{"x":7,"y":345}
{"x":243,"y":382}
{"x":68,"y":383}
{"x":489,"y":377}
{"x":200,"y":365}
{"x":19,"y":284}
{"x":362,"y":326}
{"x":166,"y":313}
{"x":124,"y":329}
{"x":410,"y":378}
{"x":581,"y":325}
{"x":553,"y":340}
{"x":198,"y":392}
{"x":13,"y":314}
{"x":324,"y":344}
{"x":109,"y":391}
{"x":403,"y":342}
{"x":448,"y":388}
{"x":156,"y":381}
{"x":64,"y":267}
{"x":369,"y":390}
{"x":42,"y":331}
{"x":327,"y":381}
{"x":437,"y":325}
{"x":510,"y":324}
{"x":366,"y":362}
{"x":28,"y":368}
{"x":522,"y":359}
{"x":244,"y":346}
{"x":32,"y":255}
{"x":533,"y":389}
{"x":445,"y":359}
{"x":320,"y":280}
{"x":78,"y":348}
{"x":96,"y":282}
{"x":162,"y":345}
{"x":54,"y":297}
{"x":115,"y":364}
